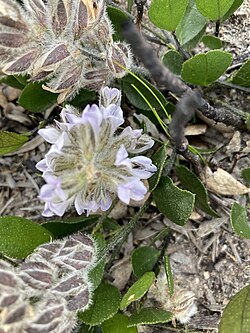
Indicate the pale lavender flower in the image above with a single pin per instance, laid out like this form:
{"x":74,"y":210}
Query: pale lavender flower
{"x":89,"y":162}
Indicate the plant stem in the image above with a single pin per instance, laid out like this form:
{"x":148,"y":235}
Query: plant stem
{"x":123,"y":234}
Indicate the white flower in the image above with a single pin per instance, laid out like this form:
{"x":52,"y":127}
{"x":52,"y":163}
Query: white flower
{"x":88,"y":163}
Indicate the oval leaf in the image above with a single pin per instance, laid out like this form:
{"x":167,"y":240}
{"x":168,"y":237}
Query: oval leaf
{"x":192,"y":183}
{"x":137,"y":290}
{"x":166,"y":14}
{"x":235,"y":317}
{"x":174,"y":203}
{"x":212,"y":42}
{"x":150,"y":316}
{"x":242,"y":76}
{"x":10,"y":141}
{"x":245,"y":174}
{"x":117,"y":18}
{"x":118,"y":324}
{"x":239,"y":221}
{"x":173,"y":61}
{"x":236,"y":4}
{"x":105,"y":304}
{"x":35,"y":99}
{"x":143,"y":259}
{"x":12,"y":81}
{"x":191,"y":28}
{"x":204,"y":69}
{"x":214,"y":9}
{"x":19,"y":236}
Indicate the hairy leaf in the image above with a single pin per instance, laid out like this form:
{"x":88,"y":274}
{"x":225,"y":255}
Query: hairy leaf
{"x":10,"y":141}
{"x":150,"y":316}
{"x":144,"y":259}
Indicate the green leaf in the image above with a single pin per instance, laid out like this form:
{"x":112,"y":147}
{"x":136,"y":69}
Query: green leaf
{"x":96,"y":273}
{"x":150,"y":316}
{"x":174,"y":203}
{"x":192,"y":183}
{"x":212,"y":42}
{"x":245,"y":174}
{"x":69,"y":226}
{"x":168,"y":270}
{"x":10,"y":141}
{"x":192,"y":26}
{"x":239,"y":221}
{"x":118,"y":324}
{"x":35,"y":99}
{"x":173,"y":61}
{"x":12,"y":81}
{"x":242,"y":76}
{"x":105,"y":304}
{"x":83,"y":97}
{"x":235,"y":317}
{"x":214,"y":9}
{"x":19,"y":236}
{"x":143,"y":259}
{"x":136,"y":99}
{"x":137,"y":290}
{"x":159,"y":159}
{"x":204,"y":69}
{"x":117,"y":18}
{"x":166,"y":14}
{"x":232,"y":9}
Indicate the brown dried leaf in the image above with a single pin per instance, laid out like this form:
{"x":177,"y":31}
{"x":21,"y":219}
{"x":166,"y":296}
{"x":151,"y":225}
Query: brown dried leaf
{"x":222,"y":182}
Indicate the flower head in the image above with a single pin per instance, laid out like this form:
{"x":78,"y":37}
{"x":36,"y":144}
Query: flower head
{"x":68,"y":43}
{"x":88,"y":163}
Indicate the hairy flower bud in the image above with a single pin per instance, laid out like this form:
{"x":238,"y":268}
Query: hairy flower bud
{"x":68,"y":43}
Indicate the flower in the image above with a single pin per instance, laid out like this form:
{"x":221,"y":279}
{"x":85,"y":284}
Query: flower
{"x":68,"y":43}
{"x":88,"y":164}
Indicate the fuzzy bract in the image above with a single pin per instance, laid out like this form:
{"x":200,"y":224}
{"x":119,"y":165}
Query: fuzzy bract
{"x":68,"y":43}
{"x":91,"y":161}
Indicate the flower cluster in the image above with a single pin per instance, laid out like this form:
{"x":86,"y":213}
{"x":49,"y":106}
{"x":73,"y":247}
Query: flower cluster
{"x":46,"y":291}
{"x":68,"y":43}
{"x":88,"y":163}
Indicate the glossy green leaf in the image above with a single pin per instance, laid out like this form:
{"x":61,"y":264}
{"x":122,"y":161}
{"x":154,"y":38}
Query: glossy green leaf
{"x":192,"y":183}
{"x":174,"y":203}
{"x":192,"y":26}
{"x":214,"y":9}
{"x":239,"y":221}
{"x":117,"y":18}
{"x":143,"y":259}
{"x":204,"y":69}
{"x":12,"y":81}
{"x":150,"y":316}
{"x":10,"y":141}
{"x":236,"y":4}
{"x":166,"y":14}
{"x":235,"y":317}
{"x":159,"y":159}
{"x":105,"y":305}
{"x":69,"y":226}
{"x":212,"y":42}
{"x":136,"y":99}
{"x":168,"y":270}
{"x":35,"y":99}
{"x":137,"y":290}
{"x":242,"y":76}
{"x":19,"y":236}
{"x":173,"y":61}
{"x":245,"y":174}
{"x":118,"y":324}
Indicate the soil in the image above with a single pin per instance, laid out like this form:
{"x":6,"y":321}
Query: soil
{"x":207,"y":258}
